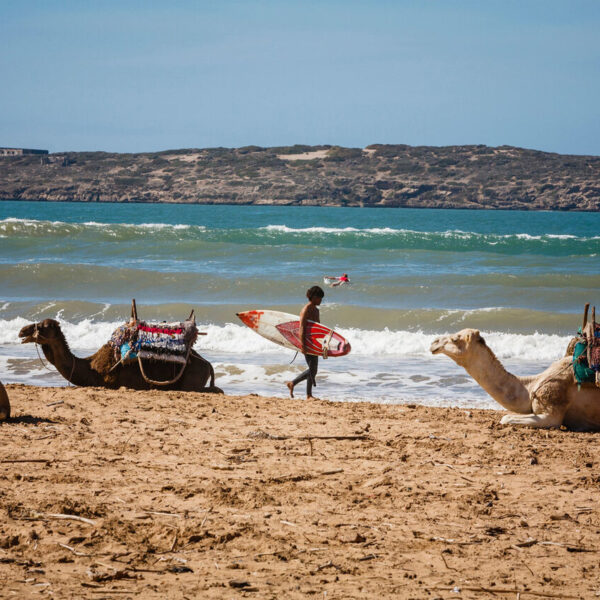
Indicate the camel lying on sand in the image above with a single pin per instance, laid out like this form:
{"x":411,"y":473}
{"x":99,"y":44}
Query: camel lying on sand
{"x":97,"y":370}
{"x":550,"y":399}
{"x":4,"y":404}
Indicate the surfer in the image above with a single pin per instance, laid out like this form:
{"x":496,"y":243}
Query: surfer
{"x":309,"y":313}
{"x":335,"y":281}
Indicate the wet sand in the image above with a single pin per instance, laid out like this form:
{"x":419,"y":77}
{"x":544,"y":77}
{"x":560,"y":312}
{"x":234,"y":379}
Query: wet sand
{"x":123,"y":494}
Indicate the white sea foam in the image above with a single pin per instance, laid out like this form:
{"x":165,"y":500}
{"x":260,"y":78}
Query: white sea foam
{"x":234,"y":339}
{"x":334,"y":230}
{"x":37,"y":224}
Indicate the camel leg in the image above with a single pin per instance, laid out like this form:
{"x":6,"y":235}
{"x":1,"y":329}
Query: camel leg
{"x":543,"y":421}
{"x":192,"y":382}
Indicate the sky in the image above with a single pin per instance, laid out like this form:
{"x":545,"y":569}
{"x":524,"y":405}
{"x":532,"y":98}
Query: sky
{"x":143,"y":76}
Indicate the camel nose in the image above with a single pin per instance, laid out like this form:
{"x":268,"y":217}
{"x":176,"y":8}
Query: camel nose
{"x":436,"y":345}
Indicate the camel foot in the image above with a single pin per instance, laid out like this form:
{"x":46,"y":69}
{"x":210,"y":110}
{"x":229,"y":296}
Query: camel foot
{"x":543,"y":421}
{"x":213,"y":389}
{"x":290,"y":386}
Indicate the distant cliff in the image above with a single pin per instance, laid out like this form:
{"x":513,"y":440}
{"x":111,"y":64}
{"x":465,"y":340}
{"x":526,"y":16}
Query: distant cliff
{"x":379,"y":175}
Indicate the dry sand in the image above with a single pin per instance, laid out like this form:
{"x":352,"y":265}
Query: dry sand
{"x":123,"y":494}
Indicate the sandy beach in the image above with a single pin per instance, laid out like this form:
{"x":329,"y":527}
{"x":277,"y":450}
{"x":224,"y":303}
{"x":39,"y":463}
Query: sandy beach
{"x":160,"y":494}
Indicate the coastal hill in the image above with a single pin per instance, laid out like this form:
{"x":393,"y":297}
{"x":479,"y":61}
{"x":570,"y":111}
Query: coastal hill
{"x":501,"y":177}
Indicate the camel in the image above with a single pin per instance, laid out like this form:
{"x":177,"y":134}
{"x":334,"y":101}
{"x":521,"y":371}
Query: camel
{"x":547,"y":400}
{"x":4,"y":404}
{"x":99,"y":369}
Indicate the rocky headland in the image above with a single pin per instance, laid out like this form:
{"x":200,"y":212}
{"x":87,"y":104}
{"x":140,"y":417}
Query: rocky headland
{"x":501,"y":177}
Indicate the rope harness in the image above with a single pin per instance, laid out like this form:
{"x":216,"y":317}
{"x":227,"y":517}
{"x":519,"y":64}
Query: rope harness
{"x":37,"y":335}
{"x":176,"y":378}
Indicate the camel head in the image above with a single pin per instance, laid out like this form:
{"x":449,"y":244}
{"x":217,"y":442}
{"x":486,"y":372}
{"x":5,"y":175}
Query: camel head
{"x":44,"y":332}
{"x":458,"y":346}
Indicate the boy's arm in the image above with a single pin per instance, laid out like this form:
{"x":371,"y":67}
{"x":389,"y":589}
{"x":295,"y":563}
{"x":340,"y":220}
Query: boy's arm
{"x":303,"y":320}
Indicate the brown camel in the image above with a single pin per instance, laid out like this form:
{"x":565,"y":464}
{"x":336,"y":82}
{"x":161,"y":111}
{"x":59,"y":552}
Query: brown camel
{"x":96,"y":370}
{"x":4,"y":404}
{"x":550,"y":399}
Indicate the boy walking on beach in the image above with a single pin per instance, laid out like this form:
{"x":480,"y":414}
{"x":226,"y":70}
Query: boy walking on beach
{"x":309,"y":313}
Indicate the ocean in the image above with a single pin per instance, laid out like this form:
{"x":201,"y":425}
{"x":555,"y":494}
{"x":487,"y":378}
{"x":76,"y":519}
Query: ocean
{"x":521,"y":278}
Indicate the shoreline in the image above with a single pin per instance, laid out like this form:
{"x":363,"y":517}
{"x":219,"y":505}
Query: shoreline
{"x":249,"y":496}
{"x":263,"y":204}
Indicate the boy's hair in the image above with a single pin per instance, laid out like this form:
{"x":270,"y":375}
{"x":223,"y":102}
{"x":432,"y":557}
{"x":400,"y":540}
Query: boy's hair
{"x":315,"y":290}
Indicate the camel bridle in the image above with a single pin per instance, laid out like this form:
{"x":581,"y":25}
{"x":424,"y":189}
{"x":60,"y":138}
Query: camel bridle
{"x":44,"y":340}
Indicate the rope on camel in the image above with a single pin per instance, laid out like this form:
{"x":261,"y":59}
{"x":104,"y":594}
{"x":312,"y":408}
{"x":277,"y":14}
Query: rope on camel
{"x":176,"y":378}
{"x":50,"y":370}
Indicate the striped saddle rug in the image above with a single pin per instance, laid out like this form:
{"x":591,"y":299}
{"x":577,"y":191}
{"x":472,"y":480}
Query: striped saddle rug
{"x":169,"y":342}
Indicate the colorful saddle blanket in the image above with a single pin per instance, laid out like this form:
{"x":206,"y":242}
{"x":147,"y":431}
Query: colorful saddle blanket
{"x":168,"y":342}
{"x":586,"y":358}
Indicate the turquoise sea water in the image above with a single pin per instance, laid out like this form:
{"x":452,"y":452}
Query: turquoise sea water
{"x":522,"y":278}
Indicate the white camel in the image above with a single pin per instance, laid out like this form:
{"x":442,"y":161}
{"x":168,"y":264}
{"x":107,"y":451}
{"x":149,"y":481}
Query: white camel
{"x":550,"y":399}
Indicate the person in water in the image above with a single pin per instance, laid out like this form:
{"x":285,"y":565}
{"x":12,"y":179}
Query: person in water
{"x":309,"y":313}
{"x":341,"y":280}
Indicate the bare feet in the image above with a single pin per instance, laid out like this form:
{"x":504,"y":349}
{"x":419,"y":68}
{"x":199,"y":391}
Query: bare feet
{"x":312,"y":398}
{"x":290,"y":386}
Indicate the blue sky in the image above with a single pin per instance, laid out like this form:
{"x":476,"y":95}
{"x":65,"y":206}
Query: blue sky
{"x":135,"y":76}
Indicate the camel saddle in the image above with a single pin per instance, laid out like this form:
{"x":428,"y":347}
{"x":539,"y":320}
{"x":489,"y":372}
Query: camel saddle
{"x":586,"y":355}
{"x":169,"y":342}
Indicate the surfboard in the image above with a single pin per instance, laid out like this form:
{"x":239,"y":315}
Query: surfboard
{"x":284,"y":329}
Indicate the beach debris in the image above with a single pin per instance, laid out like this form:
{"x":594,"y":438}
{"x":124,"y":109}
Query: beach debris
{"x":263,"y":435}
{"x":98,"y":577}
{"x":179,"y":569}
{"x":303,"y":476}
{"x":40,"y":516}
{"x":327,"y":565}
{"x":71,"y":549}
{"x":239,"y":583}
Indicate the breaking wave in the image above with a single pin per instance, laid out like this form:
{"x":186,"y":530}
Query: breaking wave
{"x":192,"y":237}
{"x":230,"y":338}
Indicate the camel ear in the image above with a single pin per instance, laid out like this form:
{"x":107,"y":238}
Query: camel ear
{"x":475,"y":336}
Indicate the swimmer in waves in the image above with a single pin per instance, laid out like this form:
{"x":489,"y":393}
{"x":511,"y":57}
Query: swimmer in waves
{"x":336,"y":281}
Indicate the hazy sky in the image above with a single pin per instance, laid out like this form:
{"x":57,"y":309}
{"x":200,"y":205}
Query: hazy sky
{"x":140,"y":76}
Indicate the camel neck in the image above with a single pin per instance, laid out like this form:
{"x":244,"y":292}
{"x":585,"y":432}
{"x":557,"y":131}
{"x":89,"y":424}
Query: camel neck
{"x":66,"y":363}
{"x":502,"y":386}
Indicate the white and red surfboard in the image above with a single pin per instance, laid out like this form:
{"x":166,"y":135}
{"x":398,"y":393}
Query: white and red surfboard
{"x":284,"y":329}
